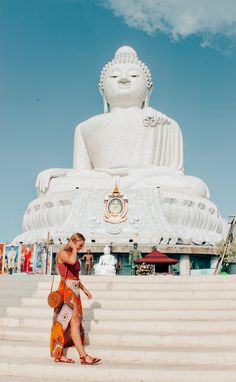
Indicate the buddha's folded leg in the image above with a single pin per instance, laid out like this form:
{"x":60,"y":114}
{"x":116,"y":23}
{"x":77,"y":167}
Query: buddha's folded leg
{"x":179,"y":182}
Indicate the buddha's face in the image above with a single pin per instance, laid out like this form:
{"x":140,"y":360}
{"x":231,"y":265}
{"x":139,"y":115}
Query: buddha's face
{"x":125,"y":85}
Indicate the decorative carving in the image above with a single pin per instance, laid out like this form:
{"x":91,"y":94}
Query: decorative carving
{"x":48,"y":204}
{"x":144,"y":269}
{"x":115,"y":206}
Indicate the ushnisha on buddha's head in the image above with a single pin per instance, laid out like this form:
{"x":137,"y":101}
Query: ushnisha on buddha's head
{"x":125,"y":81}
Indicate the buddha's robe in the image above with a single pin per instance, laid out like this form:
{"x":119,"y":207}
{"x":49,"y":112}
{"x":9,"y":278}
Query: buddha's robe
{"x":120,"y":139}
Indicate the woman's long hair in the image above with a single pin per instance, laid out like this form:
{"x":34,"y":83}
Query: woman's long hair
{"x":75,"y":237}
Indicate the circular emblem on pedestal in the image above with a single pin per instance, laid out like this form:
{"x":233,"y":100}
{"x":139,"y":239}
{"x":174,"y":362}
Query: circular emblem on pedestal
{"x":115,"y":207}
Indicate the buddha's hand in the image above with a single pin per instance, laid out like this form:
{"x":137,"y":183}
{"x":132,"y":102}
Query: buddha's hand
{"x":44,"y":177}
{"x":114,"y":171}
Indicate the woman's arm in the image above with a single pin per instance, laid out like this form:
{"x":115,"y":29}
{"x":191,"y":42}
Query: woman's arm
{"x":85,"y":290}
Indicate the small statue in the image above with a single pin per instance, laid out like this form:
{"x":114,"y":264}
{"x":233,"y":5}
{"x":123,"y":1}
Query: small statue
{"x":118,"y":268}
{"x":88,"y":257}
{"x":134,"y":255}
{"x":106,"y":264}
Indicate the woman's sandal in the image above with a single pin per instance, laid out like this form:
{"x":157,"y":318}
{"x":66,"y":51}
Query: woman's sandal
{"x":84,"y":362}
{"x":64,"y":359}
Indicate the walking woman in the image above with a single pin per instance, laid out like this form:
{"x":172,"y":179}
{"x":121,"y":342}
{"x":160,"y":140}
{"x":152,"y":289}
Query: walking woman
{"x":67,"y":326}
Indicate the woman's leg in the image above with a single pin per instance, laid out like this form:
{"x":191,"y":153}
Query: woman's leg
{"x":75,"y":331}
{"x":75,"y":334}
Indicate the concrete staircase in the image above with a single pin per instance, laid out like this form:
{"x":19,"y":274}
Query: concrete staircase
{"x":146,"y":328}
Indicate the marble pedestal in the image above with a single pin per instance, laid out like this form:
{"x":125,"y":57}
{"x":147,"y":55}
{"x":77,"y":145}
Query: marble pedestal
{"x":155,"y":216}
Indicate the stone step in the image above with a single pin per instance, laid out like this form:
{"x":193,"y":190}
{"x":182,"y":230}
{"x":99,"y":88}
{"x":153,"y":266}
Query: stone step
{"x":160,"y":329}
{"x":16,"y":293}
{"x":142,"y":339}
{"x":3,"y":311}
{"x":172,"y":326}
{"x":18,"y":284}
{"x":124,"y":282}
{"x":9,"y":378}
{"x":110,"y":372}
{"x":95,"y":286}
{"x":9,"y":301}
{"x":24,"y":277}
{"x":113,"y":354}
{"x":144,"y":314}
{"x":138,"y":295}
{"x":168,"y":304}
{"x":24,"y":334}
{"x":157,"y":279}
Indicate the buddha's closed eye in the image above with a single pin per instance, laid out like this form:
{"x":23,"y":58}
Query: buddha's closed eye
{"x":134,"y":74}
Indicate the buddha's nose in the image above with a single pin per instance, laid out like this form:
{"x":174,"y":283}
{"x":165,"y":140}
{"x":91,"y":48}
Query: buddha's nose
{"x":123,"y":80}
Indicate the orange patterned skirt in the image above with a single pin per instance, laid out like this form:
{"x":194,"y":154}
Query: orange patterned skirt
{"x":60,"y":332}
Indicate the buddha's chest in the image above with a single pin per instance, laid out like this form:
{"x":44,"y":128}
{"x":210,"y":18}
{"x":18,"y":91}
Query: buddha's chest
{"x":119,"y":140}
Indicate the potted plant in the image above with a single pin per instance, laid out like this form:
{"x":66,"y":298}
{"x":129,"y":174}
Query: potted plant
{"x":229,"y":252}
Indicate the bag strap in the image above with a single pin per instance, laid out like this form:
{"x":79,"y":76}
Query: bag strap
{"x":55,"y":275}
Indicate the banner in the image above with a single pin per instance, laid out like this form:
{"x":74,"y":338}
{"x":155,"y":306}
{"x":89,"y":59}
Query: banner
{"x":11,"y":257}
{"x":27,"y":258}
{"x":41,"y":255}
{"x":2,"y":257}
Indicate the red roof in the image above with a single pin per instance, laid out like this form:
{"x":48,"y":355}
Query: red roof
{"x":156,"y":257}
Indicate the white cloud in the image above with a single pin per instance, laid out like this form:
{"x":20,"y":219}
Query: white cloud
{"x":179,"y":18}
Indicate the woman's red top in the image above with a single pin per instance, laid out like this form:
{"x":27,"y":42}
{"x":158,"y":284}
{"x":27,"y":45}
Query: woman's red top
{"x":69,"y":271}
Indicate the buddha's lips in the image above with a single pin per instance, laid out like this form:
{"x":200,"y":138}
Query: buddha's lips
{"x":124,"y":86}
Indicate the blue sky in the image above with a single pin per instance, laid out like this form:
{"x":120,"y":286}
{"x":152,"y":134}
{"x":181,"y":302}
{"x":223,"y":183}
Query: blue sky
{"x":51,"y":54}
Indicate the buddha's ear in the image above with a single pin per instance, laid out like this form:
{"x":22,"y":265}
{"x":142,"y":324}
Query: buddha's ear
{"x":150,"y":90}
{"x":100,"y":90}
{"x":105,"y":103}
{"x":146,"y":102}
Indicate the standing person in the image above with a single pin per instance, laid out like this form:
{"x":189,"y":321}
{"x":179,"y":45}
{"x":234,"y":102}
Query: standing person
{"x":134,"y":255}
{"x":88,"y":257}
{"x":67,"y":326}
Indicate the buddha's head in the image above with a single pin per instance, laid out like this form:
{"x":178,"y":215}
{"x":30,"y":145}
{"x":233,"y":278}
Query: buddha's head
{"x":125,"y":81}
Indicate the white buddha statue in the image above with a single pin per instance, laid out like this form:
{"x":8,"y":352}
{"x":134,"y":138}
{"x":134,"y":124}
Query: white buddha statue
{"x":130,"y":139}
{"x":106,"y":264}
{"x":141,"y":149}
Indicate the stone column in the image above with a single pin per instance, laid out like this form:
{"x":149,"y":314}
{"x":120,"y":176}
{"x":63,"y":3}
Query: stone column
{"x":184,"y":265}
{"x":214,"y":261}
